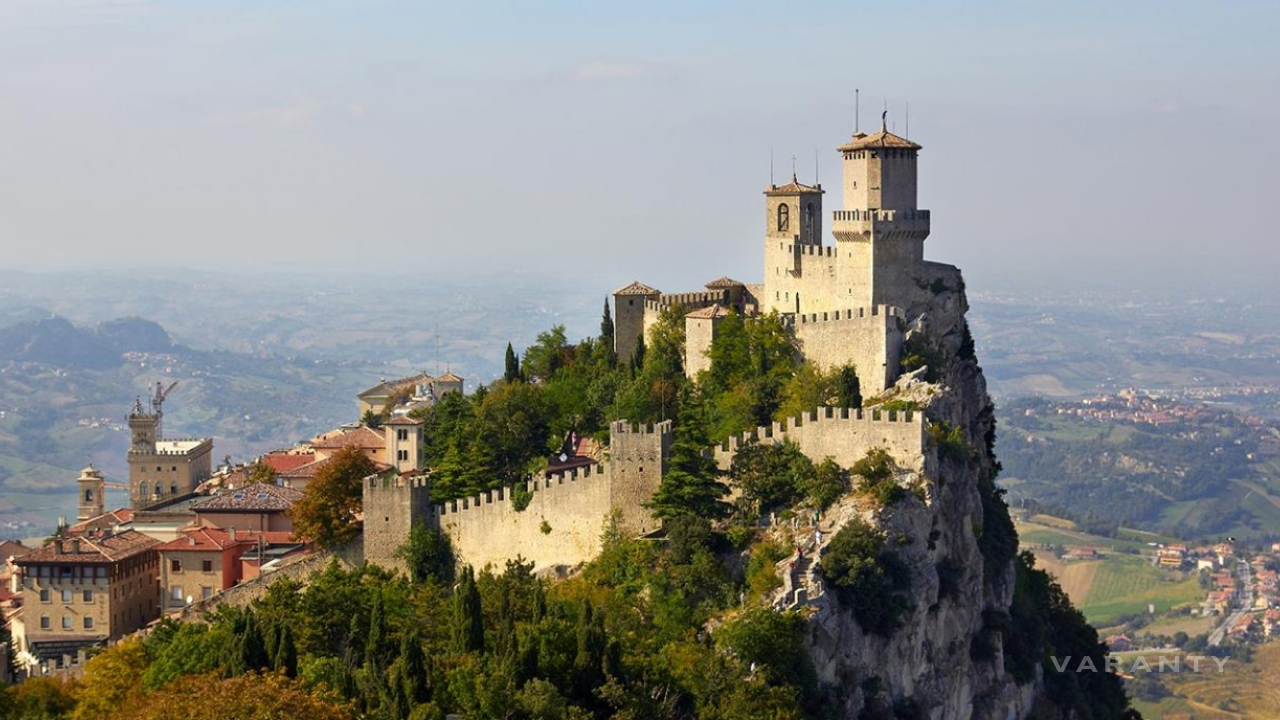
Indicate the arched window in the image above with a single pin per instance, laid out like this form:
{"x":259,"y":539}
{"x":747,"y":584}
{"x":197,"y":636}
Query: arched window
{"x":88,"y":496}
{"x":784,"y":218}
{"x":142,"y":490}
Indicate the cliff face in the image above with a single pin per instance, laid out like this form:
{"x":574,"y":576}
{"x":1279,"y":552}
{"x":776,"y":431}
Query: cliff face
{"x":930,"y":667}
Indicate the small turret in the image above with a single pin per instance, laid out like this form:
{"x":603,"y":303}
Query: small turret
{"x":91,"y":485}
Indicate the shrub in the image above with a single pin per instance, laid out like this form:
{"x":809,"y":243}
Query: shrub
{"x":877,"y":472}
{"x":771,"y":475}
{"x":868,"y":577}
{"x":828,"y":482}
{"x":521,"y":496}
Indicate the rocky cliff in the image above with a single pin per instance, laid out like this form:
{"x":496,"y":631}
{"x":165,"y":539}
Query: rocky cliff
{"x":963,"y":648}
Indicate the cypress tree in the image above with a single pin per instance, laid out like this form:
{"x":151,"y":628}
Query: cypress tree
{"x":691,"y":485}
{"x":286,"y":657}
{"x":374,"y":650}
{"x":468,"y":623}
{"x":848,"y":388}
{"x":413,"y":680}
{"x":637,"y":357}
{"x":249,"y":652}
{"x":607,"y":332}
{"x":588,"y":663}
{"x":512,"y":373}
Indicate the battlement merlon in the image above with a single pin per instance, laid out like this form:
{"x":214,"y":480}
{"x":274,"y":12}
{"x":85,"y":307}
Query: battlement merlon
{"x":880,"y":225}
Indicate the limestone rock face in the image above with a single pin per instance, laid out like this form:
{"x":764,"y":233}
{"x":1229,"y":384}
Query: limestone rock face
{"x":927,"y":665}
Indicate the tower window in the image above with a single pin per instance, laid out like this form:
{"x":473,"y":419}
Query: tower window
{"x":784,"y":217}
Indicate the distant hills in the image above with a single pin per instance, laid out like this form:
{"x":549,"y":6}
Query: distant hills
{"x":58,"y":342}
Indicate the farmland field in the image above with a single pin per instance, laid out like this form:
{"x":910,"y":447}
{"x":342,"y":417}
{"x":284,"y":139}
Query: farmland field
{"x":1243,"y":690}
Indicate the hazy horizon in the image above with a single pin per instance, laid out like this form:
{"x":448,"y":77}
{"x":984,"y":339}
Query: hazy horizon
{"x":626,"y":142}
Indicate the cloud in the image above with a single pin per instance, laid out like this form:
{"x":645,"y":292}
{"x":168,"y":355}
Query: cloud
{"x":272,"y":117}
{"x":602,"y":71}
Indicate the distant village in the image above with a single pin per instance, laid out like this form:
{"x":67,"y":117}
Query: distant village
{"x":191,"y":530}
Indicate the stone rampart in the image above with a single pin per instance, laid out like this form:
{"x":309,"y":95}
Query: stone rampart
{"x":845,"y":435}
{"x":868,"y":338}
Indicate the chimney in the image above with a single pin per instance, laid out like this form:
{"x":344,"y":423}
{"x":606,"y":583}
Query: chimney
{"x":57,"y":545}
{"x":191,"y":540}
{"x":75,"y":546}
{"x":231,"y":533}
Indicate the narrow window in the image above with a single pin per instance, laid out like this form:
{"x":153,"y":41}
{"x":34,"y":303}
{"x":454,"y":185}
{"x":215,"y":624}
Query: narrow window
{"x":88,"y":623}
{"x":44,"y":622}
{"x":784,"y":217}
{"x":88,"y":596}
{"x":207,"y":566}
{"x":175,"y":565}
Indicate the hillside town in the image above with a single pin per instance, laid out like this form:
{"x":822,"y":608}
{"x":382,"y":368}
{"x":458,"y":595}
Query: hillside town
{"x":190,"y":532}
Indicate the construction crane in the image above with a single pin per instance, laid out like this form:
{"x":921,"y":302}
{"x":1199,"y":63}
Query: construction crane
{"x":158,"y":400}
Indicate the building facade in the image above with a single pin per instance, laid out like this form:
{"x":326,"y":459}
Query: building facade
{"x":160,"y":468}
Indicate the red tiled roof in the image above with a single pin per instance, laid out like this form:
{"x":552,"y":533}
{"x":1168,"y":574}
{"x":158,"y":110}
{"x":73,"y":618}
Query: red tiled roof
{"x":636,"y":288}
{"x":715,"y":310}
{"x":212,"y":539}
{"x":258,"y":497}
{"x":361,"y":437}
{"x":882,"y":139}
{"x":111,"y":548}
{"x":13,"y":548}
{"x":121,"y":516}
{"x":281,"y":462}
{"x":403,"y":420}
{"x":795,"y":187}
{"x":723,"y":282}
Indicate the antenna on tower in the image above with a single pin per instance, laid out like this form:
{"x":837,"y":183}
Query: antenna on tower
{"x":437,"y":347}
{"x":857,"y":108}
{"x":906,"y":133}
{"x":771,"y":183}
{"x":793,"y":168}
{"x":816,"y":181}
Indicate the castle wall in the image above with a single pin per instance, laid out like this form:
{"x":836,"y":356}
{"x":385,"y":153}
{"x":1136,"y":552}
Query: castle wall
{"x":391,"y":506}
{"x":637,"y":459}
{"x":487,"y":529}
{"x":845,"y":435}
{"x":867,"y":338}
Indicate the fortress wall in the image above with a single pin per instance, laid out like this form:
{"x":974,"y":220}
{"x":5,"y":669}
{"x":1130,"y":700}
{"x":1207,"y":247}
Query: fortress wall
{"x":845,"y":435}
{"x":868,"y":338}
{"x":810,"y":271}
{"x":391,"y":506}
{"x":637,"y":459}
{"x":487,"y":529}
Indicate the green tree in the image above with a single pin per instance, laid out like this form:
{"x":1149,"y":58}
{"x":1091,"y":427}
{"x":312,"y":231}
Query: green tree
{"x":260,"y":472}
{"x":512,"y":373}
{"x":326,"y":513}
{"x":468,"y":620}
{"x":111,"y":679}
{"x":848,"y":387}
{"x":286,"y":655}
{"x":371,"y":419}
{"x":607,"y":333}
{"x":869,"y":578}
{"x":428,"y":554}
{"x":543,"y":358}
{"x":772,"y":475}
{"x":807,"y":389}
{"x":828,"y":482}
{"x":691,"y":485}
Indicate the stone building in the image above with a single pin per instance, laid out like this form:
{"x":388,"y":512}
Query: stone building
{"x":842,"y":301}
{"x":86,"y":590}
{"x":421,"y":390}
{"x":162,"y":468}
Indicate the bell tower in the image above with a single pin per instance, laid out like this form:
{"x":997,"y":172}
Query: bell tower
{"x":144,"y":428}
{"x":792,"y":246}
{"x":91,"y":487}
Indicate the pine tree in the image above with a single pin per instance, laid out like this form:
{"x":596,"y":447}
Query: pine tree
{"x":468,"y":624}
{"x":588,"y":663}
{"x":691,"y":485}
{"x":512,"y":373}
{"x":249,"y":651}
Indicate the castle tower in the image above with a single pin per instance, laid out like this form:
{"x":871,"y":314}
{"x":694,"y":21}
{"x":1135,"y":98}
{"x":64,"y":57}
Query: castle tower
{"x":637,"y":461}
{"x":793,"y":229}
{"x":880,"y":232}
{"x":91,"y":487}
{"x":699,"y":332}
{"x":403,"y":443}
{"x":628,"y":318}
{"x":392,"y":506}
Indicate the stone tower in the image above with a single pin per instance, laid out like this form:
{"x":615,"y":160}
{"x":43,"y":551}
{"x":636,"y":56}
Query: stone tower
{"x":91,"y":487}
{"x":403,"y":443}
{"x":793,"y":230}
{"x":144,"y":427}
{"x":880,"y":232}
{"x":392,"y":506}
{"x":161,"y":469}
{"x":628,"y":318}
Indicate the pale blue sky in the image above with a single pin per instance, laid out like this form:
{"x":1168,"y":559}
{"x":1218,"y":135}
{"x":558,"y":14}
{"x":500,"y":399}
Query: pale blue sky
{"x":579,"y":137}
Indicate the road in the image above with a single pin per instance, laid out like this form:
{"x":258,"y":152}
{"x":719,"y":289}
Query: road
{"x":1244,"y":576}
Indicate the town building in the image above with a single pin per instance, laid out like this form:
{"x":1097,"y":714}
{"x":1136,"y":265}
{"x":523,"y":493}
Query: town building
{"x":207,"y":560}
{"x":162,"y":468}
{"x":84,"y":591}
